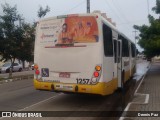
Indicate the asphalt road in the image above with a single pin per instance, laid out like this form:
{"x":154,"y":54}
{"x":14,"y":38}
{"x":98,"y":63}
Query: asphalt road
{"x":20,"y":94}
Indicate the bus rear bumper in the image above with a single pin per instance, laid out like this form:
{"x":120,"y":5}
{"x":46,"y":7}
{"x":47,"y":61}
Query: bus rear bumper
{"x":100,"y":88}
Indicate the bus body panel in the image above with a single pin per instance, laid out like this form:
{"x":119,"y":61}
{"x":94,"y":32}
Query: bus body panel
{"x":65,"y":59}
{"x":78,"y":61}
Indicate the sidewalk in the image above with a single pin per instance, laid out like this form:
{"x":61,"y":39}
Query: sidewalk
{"x":146,"y":102}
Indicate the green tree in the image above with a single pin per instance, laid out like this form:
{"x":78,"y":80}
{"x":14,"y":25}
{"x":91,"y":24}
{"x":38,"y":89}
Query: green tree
{"x":42,"y":12}
{"x":9,"y":40}
{"x":157,"y":7}
{"x":150,"y":34}
{"x":26,"y":45}
{"x":16,"y":41}
{"x":9,"y":32}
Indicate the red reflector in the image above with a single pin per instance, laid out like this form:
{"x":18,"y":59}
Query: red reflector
{"x":46,"y":86}
{"x":96,"y":74}
{"x":37,"y":72}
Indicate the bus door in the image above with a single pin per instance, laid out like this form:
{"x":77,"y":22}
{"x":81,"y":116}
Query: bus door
{"x":118,"y":45}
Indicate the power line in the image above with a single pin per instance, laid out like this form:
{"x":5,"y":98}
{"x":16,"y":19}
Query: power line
{"x":129,"y":22}
{"x":107,"y":3}
{"x":120,"y":10}
{"x":116,"y":14}
{"x":75,"y":6}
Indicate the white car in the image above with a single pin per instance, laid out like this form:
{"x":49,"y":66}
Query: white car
{"x":6,"y":67}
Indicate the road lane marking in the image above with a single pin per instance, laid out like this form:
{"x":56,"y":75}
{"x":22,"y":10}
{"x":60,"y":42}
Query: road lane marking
{"x":40,"y":102}
{"x":140,"y":84}
{"x":37,"y":103}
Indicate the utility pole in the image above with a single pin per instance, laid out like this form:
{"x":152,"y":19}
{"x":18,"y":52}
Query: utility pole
{"x":88,"y":6}
{"x":20,"y":19}
{"x":22,"y":44}
{"x":135,"y":42}
{"x":20,"y":24}
{"x":135,"y":36}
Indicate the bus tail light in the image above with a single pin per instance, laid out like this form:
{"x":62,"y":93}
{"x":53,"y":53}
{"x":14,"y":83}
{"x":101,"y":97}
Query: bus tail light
{"x":37,"y":72}
{"x":96,"y":74}
{"x":98,"y":68}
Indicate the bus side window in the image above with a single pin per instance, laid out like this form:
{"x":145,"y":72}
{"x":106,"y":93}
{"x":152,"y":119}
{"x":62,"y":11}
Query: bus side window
{"x":133,"y":50}
{"x":115,"y":51}
{"x":119,"y":53}
{"x":107,"y":38}
{"x":125,"y":46}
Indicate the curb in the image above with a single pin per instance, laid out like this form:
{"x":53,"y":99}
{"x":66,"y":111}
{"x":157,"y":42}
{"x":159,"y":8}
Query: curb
{"x":17,"y":78}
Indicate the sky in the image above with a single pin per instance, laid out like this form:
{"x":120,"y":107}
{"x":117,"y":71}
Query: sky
{"x":125,"y":13}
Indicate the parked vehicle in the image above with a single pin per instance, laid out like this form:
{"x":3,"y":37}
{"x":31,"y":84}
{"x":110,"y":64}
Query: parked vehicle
{"x":32,"y":67}
{"x":6,"y":68}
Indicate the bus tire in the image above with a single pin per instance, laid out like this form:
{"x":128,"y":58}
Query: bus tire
{"x":20,"y":69}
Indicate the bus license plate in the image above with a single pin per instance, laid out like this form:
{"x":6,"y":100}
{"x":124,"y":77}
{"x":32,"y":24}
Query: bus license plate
{"x":64,"y":87}
{"x":64,"y":75}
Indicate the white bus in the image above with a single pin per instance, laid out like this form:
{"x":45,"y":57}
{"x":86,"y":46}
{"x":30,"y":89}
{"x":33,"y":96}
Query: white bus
{"x":81,"y":53}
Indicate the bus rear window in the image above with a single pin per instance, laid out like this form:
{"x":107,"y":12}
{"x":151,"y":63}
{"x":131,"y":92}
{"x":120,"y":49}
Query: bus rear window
{"x":69,"y":30}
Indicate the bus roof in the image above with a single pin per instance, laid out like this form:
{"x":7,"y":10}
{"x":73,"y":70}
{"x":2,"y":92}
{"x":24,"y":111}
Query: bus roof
{"x":68,"y":15}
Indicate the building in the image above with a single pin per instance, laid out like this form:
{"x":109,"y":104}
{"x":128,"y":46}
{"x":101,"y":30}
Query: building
{"x":105,"y":16}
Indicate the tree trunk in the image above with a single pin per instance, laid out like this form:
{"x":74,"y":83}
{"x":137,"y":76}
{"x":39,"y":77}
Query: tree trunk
{"x":23,"y":64}
{"x":11,"y":68}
